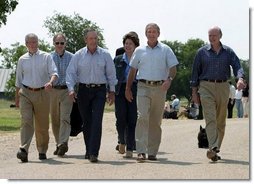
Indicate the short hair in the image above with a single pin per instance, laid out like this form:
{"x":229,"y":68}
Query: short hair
{"x":153,"y":25}
{"x":132,"y":36}
{"x":59,"y":34}
{"x":86,"y":31}
{"x":29,"y":36}
{"x":217,"y":28}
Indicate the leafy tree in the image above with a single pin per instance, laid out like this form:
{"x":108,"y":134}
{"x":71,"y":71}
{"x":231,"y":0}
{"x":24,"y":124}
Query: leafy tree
{"x":72,"y":27}
{"x":10,"y":59}
{"x":6,"y":7}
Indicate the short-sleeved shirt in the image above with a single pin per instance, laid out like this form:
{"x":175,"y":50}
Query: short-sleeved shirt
{"x":153,"y":64}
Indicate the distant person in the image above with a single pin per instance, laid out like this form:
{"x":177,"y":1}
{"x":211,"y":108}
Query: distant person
{"x":155,"y":64}
{"x":210,"y":72}
{"x":174,"y":108}
{"x":93,"y":69}
{"x":36,"y":72}
{"x":191,"y":111}
{"x":245,"y":100}
{"x":125,"y":111}
{"x":238,"y":102}
{"x":60,"y":102}
{"x":231,"y":100}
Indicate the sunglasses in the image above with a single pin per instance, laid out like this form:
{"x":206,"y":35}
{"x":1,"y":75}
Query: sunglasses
{"x":57,"y":43}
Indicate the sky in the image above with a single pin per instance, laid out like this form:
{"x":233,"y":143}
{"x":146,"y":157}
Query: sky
{"x":178,"y":20}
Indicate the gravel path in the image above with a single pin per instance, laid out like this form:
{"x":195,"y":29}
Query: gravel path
{"x":179,"y":156}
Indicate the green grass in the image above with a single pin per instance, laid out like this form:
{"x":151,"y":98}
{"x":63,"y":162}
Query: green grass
{"x":9,"y":117}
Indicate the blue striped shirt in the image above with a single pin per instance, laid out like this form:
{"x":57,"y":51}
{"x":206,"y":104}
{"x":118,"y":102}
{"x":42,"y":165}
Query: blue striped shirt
{"x":212,"y":66}
{"x":61,"y":63}
{"x":88,"y":68}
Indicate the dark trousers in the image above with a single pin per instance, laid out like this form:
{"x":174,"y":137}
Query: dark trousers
{"x":231,"y":104}
{"x":91,"y":102}
{"x":126,"y":117}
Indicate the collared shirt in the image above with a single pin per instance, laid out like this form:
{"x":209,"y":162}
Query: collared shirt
{"x":153,"y":64}
{"x":35,"y":70}
{"x":127,"y":69}
{"x":238,"y":94}
{"x":61,"y":63}
{"x":212,"y":66}
{"x":88,"y":68}
{"x":176,"y":104}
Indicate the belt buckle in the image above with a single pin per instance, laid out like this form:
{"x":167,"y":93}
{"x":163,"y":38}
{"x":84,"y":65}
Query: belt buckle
{"x":152,"y":82}
{"x":87,"y":85}
{"x":93,"y":85}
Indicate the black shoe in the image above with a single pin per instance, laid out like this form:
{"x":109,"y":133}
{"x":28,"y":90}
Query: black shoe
{"x":42,"y":156}
{"x":22,"y":155}
{"x":62,"y":149}
{"x":87,"y":156}
{"x":93,"y":158}
{"x":55,"y":152}
{"x":152,"y":157}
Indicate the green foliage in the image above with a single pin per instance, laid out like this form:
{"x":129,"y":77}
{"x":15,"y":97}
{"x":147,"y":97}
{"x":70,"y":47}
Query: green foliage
{"x":185,"y":54}
{"x":6,"y":7}
{"x":10,"y":60}
{"x":72,"y":27}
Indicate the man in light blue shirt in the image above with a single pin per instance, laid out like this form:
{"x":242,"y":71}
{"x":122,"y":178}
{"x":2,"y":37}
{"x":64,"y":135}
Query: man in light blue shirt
{"x":93,"y":68}
{"x":156,"y":66}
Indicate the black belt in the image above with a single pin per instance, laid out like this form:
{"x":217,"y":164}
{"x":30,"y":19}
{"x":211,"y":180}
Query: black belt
{"x":33,"y":89}
{"x":151,"y":82}
{"x":91,"y":85}
{"x":215,"y":81}
{"x":60,"y":87}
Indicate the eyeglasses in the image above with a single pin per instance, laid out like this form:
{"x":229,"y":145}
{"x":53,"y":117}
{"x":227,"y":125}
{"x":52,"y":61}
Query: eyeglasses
{"x":57,"y":43}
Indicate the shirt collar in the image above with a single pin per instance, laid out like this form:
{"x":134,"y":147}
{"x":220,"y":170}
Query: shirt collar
{"x":36,"y":53}
{"x":209,"y":46}
{"x":158,"y":45}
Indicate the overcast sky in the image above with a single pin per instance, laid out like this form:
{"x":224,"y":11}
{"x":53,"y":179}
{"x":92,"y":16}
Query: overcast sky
{"x":178,"y":19}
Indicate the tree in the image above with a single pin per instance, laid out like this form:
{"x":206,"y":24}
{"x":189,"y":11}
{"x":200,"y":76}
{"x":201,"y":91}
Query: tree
{"x":10,"y":60}
{"x":6,"y":7}
{"x":72,"y":27}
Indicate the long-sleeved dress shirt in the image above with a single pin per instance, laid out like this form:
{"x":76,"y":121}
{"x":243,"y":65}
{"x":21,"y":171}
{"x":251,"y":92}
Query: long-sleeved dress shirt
{"x":35,"y":70}
{"x":88,"y":68}
{"x":208,"y":65}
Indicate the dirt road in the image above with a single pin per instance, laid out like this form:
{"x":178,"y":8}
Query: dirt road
{"x":179,"y":156}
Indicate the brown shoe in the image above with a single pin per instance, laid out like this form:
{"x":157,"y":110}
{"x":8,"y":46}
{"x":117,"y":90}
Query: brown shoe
{"x":212,"y":154}
{"x":121,"y":148}
{"x":152,"y":157}
{"x":141,"y":157}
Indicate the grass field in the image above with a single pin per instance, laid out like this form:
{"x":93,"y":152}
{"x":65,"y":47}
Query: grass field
{"x":10,"y":117}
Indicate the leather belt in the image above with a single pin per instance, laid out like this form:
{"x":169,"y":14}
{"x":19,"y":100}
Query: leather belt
{"x":91,"y":85}
{"x":33,"y":89}
{"x":60,"y":87}
{"x":155,"y":83}
{"x":215,"y":81}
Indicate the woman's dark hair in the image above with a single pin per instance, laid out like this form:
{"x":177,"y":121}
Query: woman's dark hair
{"x":132,"y":36}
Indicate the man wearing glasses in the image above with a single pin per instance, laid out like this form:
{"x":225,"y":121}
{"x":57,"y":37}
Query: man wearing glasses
{"x":60,"y":103}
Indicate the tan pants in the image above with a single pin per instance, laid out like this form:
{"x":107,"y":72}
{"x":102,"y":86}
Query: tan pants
{"x":34,"y":109}
{"x":214,"y":99}
{"x":60,"y":110}
{"x":150,"y":102}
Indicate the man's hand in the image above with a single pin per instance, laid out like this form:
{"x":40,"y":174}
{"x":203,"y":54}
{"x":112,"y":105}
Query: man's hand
{"x":48,"y":86}
{"x":73,"y":96}
{"x":128,"y":94}
{"x":111,"y":98}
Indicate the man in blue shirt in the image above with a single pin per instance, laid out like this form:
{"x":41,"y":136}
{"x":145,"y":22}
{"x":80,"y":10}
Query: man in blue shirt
{"x":93,"y":68}
{"x":210,"y":72}
{"x":60,"y":102}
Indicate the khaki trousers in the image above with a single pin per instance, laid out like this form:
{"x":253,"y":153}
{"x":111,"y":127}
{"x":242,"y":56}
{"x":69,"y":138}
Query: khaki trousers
{"x":150,"y":103}
{"x":34,"y":109}
{"x":214,"y":99}
{"x":60,"y":110}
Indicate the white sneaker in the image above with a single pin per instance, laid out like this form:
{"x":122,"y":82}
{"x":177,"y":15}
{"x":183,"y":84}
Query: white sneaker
{"x":129,"y":154}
